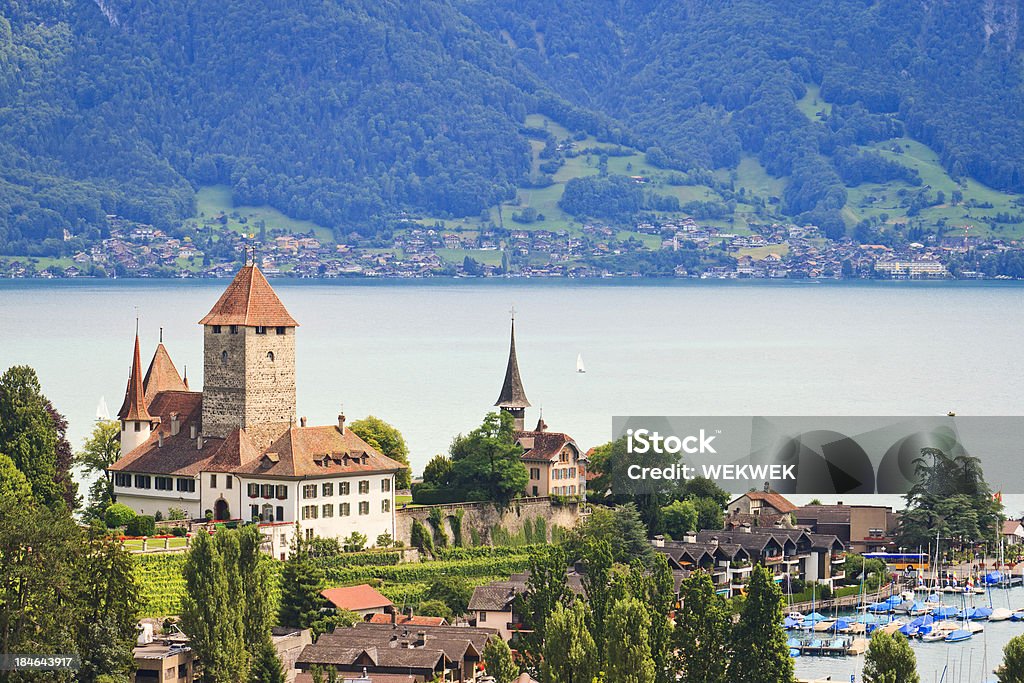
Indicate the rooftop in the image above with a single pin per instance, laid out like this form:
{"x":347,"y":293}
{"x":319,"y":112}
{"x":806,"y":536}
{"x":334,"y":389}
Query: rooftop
{"x":249,"y":301}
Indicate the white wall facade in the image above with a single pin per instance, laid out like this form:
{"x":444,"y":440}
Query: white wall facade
{"x":149,"y":501}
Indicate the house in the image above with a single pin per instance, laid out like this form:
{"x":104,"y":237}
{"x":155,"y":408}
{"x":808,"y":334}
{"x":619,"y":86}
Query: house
{"x":407,"y":619}
{"x":363,"y":599}
{"x":426,"y":653}
{"x":1013,"y":532}
{"x":235,"y":450}
{"x":554,"y":461}
{"x":861,"y":528}
{"x":164,"y":660}
{"x":492,"y":605}
{"x":758,"y":508}
{"x":289,"y":643}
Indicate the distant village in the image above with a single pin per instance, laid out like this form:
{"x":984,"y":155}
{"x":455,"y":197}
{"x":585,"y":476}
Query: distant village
{"x":776,"y":251}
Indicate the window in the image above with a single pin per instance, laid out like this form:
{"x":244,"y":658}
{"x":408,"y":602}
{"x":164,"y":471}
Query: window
{"x":385,"y":485}
{"x":230,"y":482}
{"x":572,"y":472}
{"x":268,"y":513}
{"x":344,"y":510}
{"x":142,"y":481}
{"x":216,"y":329}
{"x":254,"y":490}
{"x":138,"y":426}
{"x":385,"y":505}
{"x":223,"y":358}
{"x":183,"y":671}
{"x":309,"y":511}
{"x":187,"y":485}
{"x":482,"y":617}
{"x":344,"y":488}
{"x":309,"y":534}
{"x":163,"y":483}
{"x":213,"y":481}
{"x":280,"y":515}
{"x":328,"y":510}
{"x":282,"y":492}
{"x":260,"y":329}
{"x":234,"y":329}
{"x":280,"y":330}
{"x":534,"y":473}
{"x":267,"y":490}
{"x":364,"y":486}
{"x":364,"y":508}
{"x":270,"y":356}
{"x":122,"y":479}
{"x":328,"y":489}
{"x":254,"y":512}
{"x":309,"y":491}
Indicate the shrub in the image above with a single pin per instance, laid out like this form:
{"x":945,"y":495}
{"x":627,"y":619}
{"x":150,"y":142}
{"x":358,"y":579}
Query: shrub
{"x":179,"y":531}
{"x":452,"y":592}
{"x":436,"y":520}
{"x":434,"y":608}
{"x":420,"y":537}
{"x":142,"y":525}
{"x":354,"y":542}
{"x":176,"y":514}
{"x":117,"y":515}
{"x":384,"y":540}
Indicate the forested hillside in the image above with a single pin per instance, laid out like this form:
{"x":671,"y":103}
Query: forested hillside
{"x":350,"y":112}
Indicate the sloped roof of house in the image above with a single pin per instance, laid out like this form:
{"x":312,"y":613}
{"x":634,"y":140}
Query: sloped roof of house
{"x":1011,"y":526}
{"x":250,"y":301}
{"x":407,"y":620}
{"x":356,"y":598}
{"x":543,"y":446}
{"x":775,"y":500}
{"x":161,"y":375}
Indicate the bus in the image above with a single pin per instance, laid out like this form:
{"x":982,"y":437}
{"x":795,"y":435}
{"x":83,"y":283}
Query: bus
{"x":901,"y":561}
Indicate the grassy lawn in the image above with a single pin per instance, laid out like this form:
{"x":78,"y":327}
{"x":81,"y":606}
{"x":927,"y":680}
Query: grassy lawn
{"x":214,"y":200}
{"x":492,"y":257}
{"x":759,"y":253}
{"x":811,"y":103}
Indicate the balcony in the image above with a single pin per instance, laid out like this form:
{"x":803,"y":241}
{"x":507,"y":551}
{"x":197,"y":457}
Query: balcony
{"x":772,"y":559}
{"x":838,"y":576}
{"x":838,"y":557}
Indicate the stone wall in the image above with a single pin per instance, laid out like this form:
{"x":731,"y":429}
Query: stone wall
{"x":483,"y":517}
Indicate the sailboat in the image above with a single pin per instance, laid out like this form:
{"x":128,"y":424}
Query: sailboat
{"x":579,"y":364}
{"x":102,"y":412}
{"x":965,"y":632}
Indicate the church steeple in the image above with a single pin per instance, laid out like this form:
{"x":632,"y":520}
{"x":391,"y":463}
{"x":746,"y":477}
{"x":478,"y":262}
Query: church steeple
{"x":136,"y":422}
{"x":513,"y":397}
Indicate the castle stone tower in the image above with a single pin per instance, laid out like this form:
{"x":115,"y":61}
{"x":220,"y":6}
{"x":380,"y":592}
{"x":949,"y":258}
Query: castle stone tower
{"x":248,"y":360}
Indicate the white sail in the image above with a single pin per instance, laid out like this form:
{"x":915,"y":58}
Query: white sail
{"x":102,"y":412}
{"x":579,"y":363}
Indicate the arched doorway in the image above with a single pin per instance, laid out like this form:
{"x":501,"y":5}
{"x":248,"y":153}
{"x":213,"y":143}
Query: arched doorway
{"x":220,"y":510}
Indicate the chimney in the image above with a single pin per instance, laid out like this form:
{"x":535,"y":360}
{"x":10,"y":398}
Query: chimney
{"x":159,"y":438}
{"x":193,"y":430}
{"x":199,"y":442}
{"x":689,"y":538}
{"x":714,"y":540}
{"x":302,"y":421}
{"x":341,"y":422}
{"x":659,"y":541}
{"x":394,"y":618}
{"x":745,"y":528}
{"x":175,"y":424}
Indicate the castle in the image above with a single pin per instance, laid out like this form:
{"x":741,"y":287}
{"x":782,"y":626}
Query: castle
{"x":235,"y":449}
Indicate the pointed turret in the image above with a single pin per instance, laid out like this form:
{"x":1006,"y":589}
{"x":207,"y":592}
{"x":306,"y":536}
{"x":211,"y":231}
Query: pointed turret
{"x":513,"y":396}
{"x":136,"y":422}
{"x":161,"y":375}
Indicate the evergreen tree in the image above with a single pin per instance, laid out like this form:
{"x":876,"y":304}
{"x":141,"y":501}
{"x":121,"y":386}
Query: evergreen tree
{"x":546,"y":587}
{"x":211,"y":616}
{"x":14,"y":486}
{"x":266,"y":665}
{"x":660,"y":596}
{"x":254,"y":574}
{"x":627,"y":647}
{"x":701,"y":636}
{"x":596,"y":557}
{"x":570,"y":654}
{"x":301,"y":582}
{"x":389,"y":441}
{"x":889,"y":659}
{"x":760,"y":653}
{"x":498,"y":661}
{"x":1012,"y":668}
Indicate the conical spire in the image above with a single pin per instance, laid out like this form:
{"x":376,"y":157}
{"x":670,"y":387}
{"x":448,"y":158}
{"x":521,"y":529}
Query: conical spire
{"x":134,"y":407}
{"x":512,"y":393}
{"x":161,"y":375}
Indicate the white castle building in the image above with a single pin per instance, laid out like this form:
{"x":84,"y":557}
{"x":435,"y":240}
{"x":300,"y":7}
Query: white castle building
{"x":235,"y":449}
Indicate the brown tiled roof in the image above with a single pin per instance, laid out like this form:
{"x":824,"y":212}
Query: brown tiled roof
{"x":319,"y":451}
{"x":406,"y":620}
{"x":1010,"y":526}
{"x":823,"y":514}
{"x":179,"y":454}
{"x":134,"y":406}
{"x":494,"y":597}
{"x":161,"y":375}
{"x":249,"y":300}
{"x":356,"y":598}
{"x":543,"y":446}
{"x":776,"y":500}
{"x":512,"y":393}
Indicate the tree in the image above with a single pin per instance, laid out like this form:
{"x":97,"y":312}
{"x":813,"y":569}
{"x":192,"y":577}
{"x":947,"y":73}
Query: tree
{"x":14,"y":487}
{"x":627,"y":647}
{"x":301,"y":582}
{"x":389,"y":441}
{"x":212,"y":615}
{"x":453,"y":592}
{"x":596,"y":557}
{"x":621,"y":527}
{"x":709,"y":514}
{"x":660,"y":589}
{"x":254,"y":581}
{"x":498,"y":661}
{"x":486,"y":463}
{"x":30,"y":437}
{"x":434,"y":608}
{"x":438,"y":471}
{"x":678,"y":518}
{"x":546,"y":587}
{"x":889,"y":659}
{"x":701,"y":636}
{"x":100,"y":450}
{"x":570,"y":654}
{"x":760,"y":653}
{"x":1012,"y":668}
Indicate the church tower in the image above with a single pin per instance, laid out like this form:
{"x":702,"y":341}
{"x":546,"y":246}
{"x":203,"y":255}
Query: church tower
{"x":248,"y":360}
{"x":513,"y":397}
{"x":136,"y":422}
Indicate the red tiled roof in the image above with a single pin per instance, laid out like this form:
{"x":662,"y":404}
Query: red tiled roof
{"x":134,"y":406}
{"x":776,"y":500}
{"x":356,"y":598}
{"x":1010,"y":526}
{"x":543,"y":446}
{"x":161,"y":375}
{"x":406,"y":620}
{"x":249,"y":300}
